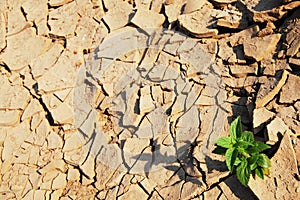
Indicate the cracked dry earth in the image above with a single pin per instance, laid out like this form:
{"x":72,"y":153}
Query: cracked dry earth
{"x":112,"y":99}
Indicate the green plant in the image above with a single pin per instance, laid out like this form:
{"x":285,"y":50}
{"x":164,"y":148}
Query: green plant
{"x":243,"y":153}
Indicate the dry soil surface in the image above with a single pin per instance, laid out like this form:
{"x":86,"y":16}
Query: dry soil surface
{"x":124,"y":99}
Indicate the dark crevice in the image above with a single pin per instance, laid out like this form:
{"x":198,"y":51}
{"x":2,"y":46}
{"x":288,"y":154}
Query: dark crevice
{"x":143,"y":188}
{"x":35,"y":27}
{"x":166,"y":23}
{"x":103,"y":6}
{"x":24,"y":13}
{"x":48,"y":114}
{"x":56,"y":38}
{"x":106,"y":25}
{"x":37,"y":97}
{"x":5,"y":67}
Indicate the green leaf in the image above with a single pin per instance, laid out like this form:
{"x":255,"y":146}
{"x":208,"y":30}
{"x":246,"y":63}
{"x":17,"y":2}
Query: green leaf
{"x":220,"y":150}
{"x":257,"y":148}
{"x":236,"y":128}
{"x":247,"y":136}
{"x":243,"y":172}
{"x":264,"y":161}
{"x":243,"y":152}
{"x":259,"y":172}
{"x":237,"y":161}
{"x":242,"y":144}
{"x":260,"y":146}
{"x":224,"y":142}
{"x":231,"y":155}
{"x":253,"y":159}
{"x":251,"y":150}
{"x":253,"y":166}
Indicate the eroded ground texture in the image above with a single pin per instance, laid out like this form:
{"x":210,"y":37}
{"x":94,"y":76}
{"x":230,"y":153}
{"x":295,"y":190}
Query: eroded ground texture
{"x":112,"y":99}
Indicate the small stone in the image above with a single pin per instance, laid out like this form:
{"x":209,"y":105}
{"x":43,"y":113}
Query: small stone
{"x":118,"y":16}
{"x":16,"y":21}
{"x":188,"y":124}
{"x":157,"y":95}
{"x":243,"y":70}
{"x":59,"y":77}
{"x":110,"y":4}
{"x":293,"y":40}
{"x":54,"y":141}
{"x":192,"y":6}
{"x":146,"y":102}
{"x":56,"y":194}
{"x":200,"y":23}
{"x":63,"y":20}
{"x":268,"y":30}
{"x":37,"y":11}
{"x":282,"y":64}
{"x":73,"y":175}
{"x":92,"y":9}
{"x":261,"y":116}
{"x":32,"y":108}
{"x":281,"y":54}
{"x":232,"y":18}
{"x":268,"y":67}
{"x":39,"y":67}
{"x":20,"y":44}
{"x":14,"y":139}
{"x":139,"y":19}
{"x":85,"y":31}
{"x":226,"y":52}
{"x":173,"y":10}
{"x":259,"y":48}
{"x":266,"y":98}
{"x":62,"y":114}
{"x":277,"y":126}
{"x":73,"y":141}
{"x":289,"y":116}
{"x":290,"y":92}
{"x":9,"y":117}
{"x":240,"y":37}
{"x":13,"y":97}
